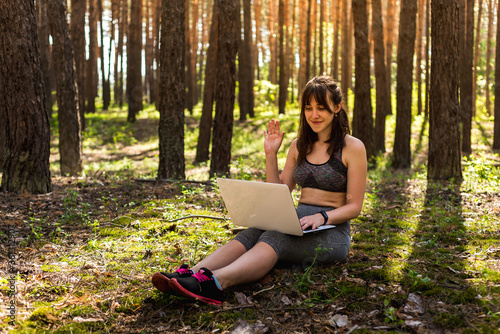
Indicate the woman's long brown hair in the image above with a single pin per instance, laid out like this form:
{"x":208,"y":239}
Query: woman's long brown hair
{"x":324,"y":90}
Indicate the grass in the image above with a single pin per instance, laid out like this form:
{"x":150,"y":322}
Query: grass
{"x":90,"y":248}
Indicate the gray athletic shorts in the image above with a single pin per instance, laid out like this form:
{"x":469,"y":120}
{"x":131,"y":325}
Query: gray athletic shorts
{"x":302,"y":250}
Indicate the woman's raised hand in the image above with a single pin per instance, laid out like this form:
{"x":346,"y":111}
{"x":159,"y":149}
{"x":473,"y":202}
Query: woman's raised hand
{"x":273,"y":137}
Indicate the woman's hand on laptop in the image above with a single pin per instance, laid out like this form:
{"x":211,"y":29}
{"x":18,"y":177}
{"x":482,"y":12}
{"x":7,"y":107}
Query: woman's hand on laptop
{"x":312,"y":222}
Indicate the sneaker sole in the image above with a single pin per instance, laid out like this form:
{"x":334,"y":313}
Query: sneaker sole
{"x":180,"y":289}
{"x":161,"y":282}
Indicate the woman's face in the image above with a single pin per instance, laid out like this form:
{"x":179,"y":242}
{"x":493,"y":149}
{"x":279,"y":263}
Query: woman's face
{"x":319,"y":118}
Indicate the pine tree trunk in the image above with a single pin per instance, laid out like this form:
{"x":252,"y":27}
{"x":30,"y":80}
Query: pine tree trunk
{"x":70,"y":147}
{"x":134,"y":60}
{"x":283,"y":65}
{"x":189,"y":92}
{"x":321,"y":36}
{"x":418,"y":51}
{"x":273,"y":63}
{"x":123,"y":24}
{"x":477,"y":50}
{"x":427,"y":53}
{"x":246,"y":96}
{"x":45,"y":57}
{"x":106,"y":96}
{"x":444,"y":121}
{"x":383,"y":96}
{"x":346,"y":47}
{"x":194,"y":48}
{"x":496,"y":125}
{"x":406,"y":51}
{"x":227,"y":48}
{"x":257,"y":7}
{"x":302,"y":45}
{"x":466,"y":99}
{"x":27,"y":149}
{"x":172,"y":62}
{"x":91,"y":65}
{"x":489,"y":51}
{"x":335,"y":53}
{"x":390,"y":35}
{"x":3,"y":138}
{"x":77,"y":27}
{"x":362,"y":124}
{"x":203,"y":147}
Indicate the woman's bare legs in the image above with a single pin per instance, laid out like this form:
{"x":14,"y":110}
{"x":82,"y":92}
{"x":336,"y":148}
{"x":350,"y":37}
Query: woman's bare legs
{"x":222,"y":257}
{"x":249,"y":267}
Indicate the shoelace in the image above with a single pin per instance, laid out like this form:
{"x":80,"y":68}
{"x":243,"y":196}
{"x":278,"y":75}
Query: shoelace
{"x":201,"y":277}
{"x":183,"y":271}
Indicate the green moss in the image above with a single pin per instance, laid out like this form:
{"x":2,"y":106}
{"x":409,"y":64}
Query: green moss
{"x":448,"y":320}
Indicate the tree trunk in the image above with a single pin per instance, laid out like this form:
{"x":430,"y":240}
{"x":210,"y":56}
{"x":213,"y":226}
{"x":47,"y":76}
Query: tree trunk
{"x":227,"y":48}
{"x":45,"y":58}
{"x":91,"y":67}
{"x":26,"y":122}
{"x":444,"y":134}
{"x":390,"y":36}
{"x":203,"y":148}
{"x":246,"y":96}
{"x":362,"y":121}
{"x":382,"y":93}
{"x":321,"y":36}
{"x":134,"y":60}
{"x":172,"y":62}
{"x":106,"y":96}
{"x":477,"y":51}
{"x":3,"y":139}
{"x":77,"y":27}
{"x":496,"y":125}
{"x":123,"y":24}
{"x":427,"y":53}
{"x":273,"y":62}
{"x":189,"y":102}
{"x":283,"y":66}
{"x":335,"y":53}
{"x":302,"y":79}
{"x":257,"y":7}
{"x":194,"y":48}
{"x":406,"y":51}
{"x":346,"y":46}
{"x":489,"y":50}
{"x":466,"y":99}
{"x":418,"y":51}
{"x":70,"y":140}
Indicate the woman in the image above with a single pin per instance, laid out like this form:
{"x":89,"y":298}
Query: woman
{"x":328,"y":164}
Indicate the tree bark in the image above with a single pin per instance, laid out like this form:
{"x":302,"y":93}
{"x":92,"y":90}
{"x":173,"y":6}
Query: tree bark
{"x":477,"y":51}
{"x":189,"y":103}
{"x":346,"y":46}
{"x":172,"y":76}
{"x":227,"y":48}
{"x":273,"y":62}
{"x":106,"y":94}
{"x":489,"y":51}
{"x":335,"y":52}
{"x":91,"y":66}
{"x":382,"y":93}
{"x":418,"y":51}
{"x":45,"y":57}
{"x":70,"y":140}
{"x":283,"y":64}
{"x":444,"y":134}
{"x":466,"y":99}
{"x":134,"y":60}
{"x":362,"y":122}
{"x":77,"y":27}
{"x":203,"y":148}
{"x":26,"y":122}
{"x":257,"y":7}
{"x":390,"y":36}
{"x":496,"y":125}
{"x":406,"y":51}
{"x":245,"y":73}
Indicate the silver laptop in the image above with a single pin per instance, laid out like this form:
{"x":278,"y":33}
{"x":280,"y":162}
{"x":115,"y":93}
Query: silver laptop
{"x":266,"y":206}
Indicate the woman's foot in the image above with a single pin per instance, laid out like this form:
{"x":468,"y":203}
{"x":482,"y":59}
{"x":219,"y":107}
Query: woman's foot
{"x":160,"y":280}
{"x":201,"y":286}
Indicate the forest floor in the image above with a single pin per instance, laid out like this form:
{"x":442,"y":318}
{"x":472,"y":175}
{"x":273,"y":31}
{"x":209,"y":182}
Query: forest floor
{"x":425,"y":257}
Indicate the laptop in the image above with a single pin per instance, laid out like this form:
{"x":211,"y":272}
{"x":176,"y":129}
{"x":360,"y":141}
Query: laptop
{"x":266,"y":206}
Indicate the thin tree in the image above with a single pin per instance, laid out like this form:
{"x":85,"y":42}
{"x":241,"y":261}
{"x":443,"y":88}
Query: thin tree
{"x":406,"y":51}
{"x":302,"y":44}
{"x":444,"y":120}
{"x":91,"y":65}
{"x":362,"y":121}
{"x":390,"y":36}
{"x":335,"y":51}
{"x":382,"y":92}
{"x":283,"y":64}
{"x":45,"y":57}
{"x":346,"y":47}
{"x":134,"y":60}
{"x":227,"y":48}
{"x":466,"y":73}
{"x":194,"y":48}
{"x":70,"y":140}
{"x":189,"y":99}
{"x":106,"y":93}
{"x":477,"y":51}
{"x":257,"y":7}
{"x":489,"y":51}
{"x":172,"y":76}
{"x":419,"y":53}
{"x":203,"y":147}
{"x":245,"y":73}
{"x":27,"y":147}
{"x":77,"y":27}
{"x":3,"y":138}
{"x":496,"y":125}
{"x":427,"y":53}
{"x":273,"y":62}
